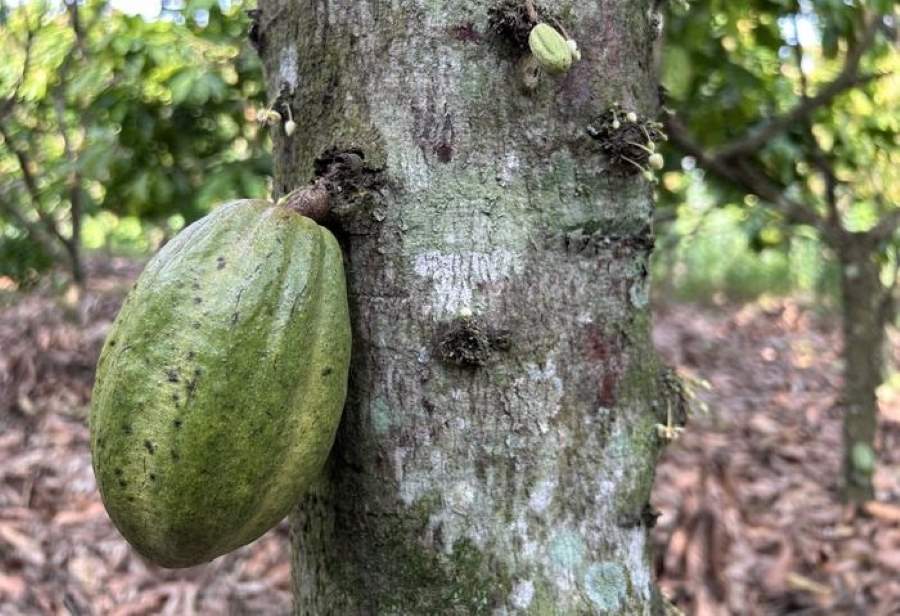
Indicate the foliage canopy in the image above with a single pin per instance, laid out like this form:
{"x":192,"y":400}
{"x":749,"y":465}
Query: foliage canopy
{"x":103,"y":113}
{"x":800,"y":103}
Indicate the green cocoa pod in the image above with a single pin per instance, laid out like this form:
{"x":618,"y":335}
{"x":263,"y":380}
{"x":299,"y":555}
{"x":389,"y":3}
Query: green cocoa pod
{"x":550,"y":49}
{"x":221,"y":383}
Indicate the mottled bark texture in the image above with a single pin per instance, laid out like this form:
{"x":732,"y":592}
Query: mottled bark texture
{"x":498,"y":444}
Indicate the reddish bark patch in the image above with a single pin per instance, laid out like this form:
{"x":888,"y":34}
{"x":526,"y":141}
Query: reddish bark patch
{"x":606,"y":395}
{"x":605,"y":352}
{"x":465,"y":32}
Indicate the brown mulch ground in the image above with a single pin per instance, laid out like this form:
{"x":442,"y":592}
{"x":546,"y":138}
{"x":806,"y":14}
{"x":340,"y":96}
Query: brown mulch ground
{"x":751,"y":524}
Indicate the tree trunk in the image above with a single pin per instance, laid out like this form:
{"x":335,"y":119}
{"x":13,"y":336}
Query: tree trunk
{"x":73,"y":246}
{"x":76,"y":266}
{"x":864,"y":320}
{"x":498,"y":445}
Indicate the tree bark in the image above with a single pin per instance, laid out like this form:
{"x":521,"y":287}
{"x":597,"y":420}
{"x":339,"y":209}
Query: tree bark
{"x":497,"y":449}
{"x":865,"y":314}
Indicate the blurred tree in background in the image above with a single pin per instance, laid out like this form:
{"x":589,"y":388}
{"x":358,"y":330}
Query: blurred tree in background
{"x":788,"y":114}
{"x":112,"y":124}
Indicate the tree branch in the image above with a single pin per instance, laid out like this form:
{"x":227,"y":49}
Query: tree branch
{"x":31,"y":185}
{"x":59,"y":103}
{"x":35,"y":231}
{"x":847,"y":79}
{"x":887,"y":226}
{"x":74,"y":179}
{"x":744,"y":175}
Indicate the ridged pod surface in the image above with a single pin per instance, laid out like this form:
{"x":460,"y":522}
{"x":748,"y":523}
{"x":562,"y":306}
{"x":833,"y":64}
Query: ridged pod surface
{"x":550,"y":48}
{"x":221,"y":383}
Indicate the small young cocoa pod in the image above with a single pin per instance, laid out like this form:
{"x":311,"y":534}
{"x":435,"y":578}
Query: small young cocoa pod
{"x":550,"y":49}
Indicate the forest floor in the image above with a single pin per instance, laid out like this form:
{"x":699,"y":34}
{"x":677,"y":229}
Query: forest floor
{"x":751,"y":521}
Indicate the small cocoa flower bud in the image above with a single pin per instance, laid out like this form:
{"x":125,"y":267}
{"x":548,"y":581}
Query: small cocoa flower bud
{"x":273,"y":117}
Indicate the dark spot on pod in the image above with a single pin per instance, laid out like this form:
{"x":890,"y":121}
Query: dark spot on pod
{"x":172,"y":375}
{"x":220,"y":263}
{"x":196,"y":324}
{"x":126,"y":429}
{"x":123,"y":483}
{"x":152,"y":477}
{"x":177,"y":423}
{"x":176,"y":399}
{"x":150,"y":447}
{"x":191,"y":355}
{"x":118,"y":471}
{"x":195,"y":286}
{"x":112,"y":343}
{"x":327,"y":371}
{"x":234,"y":318}
{"x":198,"y":300}
{"x":130,"y":499}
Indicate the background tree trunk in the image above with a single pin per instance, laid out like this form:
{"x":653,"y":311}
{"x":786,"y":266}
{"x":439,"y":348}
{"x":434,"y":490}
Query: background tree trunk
{"x":498,"y":463}
{"x":865,"y":313}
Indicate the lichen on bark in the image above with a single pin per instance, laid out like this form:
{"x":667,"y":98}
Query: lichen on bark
{"x":511,"y":486}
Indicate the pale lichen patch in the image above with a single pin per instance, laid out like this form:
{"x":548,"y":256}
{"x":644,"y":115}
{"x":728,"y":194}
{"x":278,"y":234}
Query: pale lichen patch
{"x":637,"y":561}
{"x":455,"y":275}
{"x":522,"y":594}
{"x":606,"y":585}
{"x":567,"y":551}
{"x":639,"y":294}
{"x":288,"y":68}
{"x":542,"y":496}
{"x":381,"y":416}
